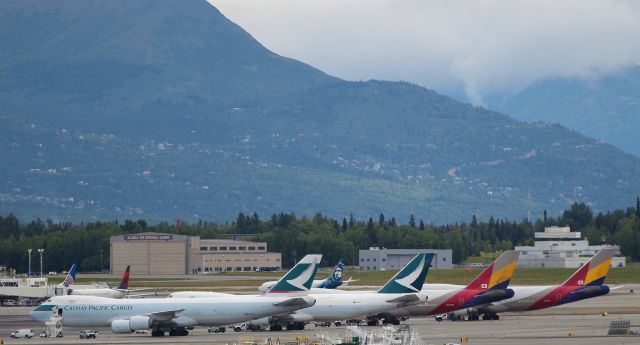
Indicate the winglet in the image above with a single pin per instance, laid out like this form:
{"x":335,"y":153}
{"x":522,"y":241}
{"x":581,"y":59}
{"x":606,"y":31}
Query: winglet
{"x":411,"y":277}
{"x":300,"y":277}
{"x":124,"y":284}
{"x":71,"y":276}
{"x":594,"y":271}
{"x":498,"y":274}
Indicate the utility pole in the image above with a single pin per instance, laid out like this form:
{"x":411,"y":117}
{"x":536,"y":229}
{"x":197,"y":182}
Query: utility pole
{"x":101,"y":250}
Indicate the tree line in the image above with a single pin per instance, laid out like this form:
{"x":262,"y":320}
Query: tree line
{"x":294,"y":236}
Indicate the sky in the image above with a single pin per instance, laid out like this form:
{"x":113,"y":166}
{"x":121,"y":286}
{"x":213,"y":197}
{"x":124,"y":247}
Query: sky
{"x":474,"y":49}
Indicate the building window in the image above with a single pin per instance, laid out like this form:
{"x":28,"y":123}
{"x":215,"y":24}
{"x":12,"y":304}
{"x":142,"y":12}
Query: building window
{"x":203,"y":248}
{"x":573,"y":244}
{"x":261,"y":248}
{"x":367,"y":260}
{"x":223,"y":248}
{"x":444,"y":259}
{"x":252,"y":248}
{"x":374,"y":267}
{"x":384,"y":259}
{"x":361,"y":260}
{"x":213,"y":249}
{"x":247,"y":269}
{"x":232,"y":248}
{"x":374,"y":259}
{"x":242,"y":248}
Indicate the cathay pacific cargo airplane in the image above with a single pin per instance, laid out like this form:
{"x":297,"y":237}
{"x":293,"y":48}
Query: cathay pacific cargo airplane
{"x":176,"y":314}
{"x":400,"y":291}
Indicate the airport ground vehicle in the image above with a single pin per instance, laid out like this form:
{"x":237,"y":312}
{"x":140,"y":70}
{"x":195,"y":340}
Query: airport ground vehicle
{"x":322,"y":324}
{"x":22,"y":333}
{"x":250,"y":326}
{"x":217,"y":329}
{"x":88,"y":334}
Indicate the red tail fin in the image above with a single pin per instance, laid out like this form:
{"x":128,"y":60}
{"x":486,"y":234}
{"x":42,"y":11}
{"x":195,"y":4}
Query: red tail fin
{"x":124,"y":284}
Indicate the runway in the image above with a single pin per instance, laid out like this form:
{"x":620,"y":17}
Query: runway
{"x":580,"y":323}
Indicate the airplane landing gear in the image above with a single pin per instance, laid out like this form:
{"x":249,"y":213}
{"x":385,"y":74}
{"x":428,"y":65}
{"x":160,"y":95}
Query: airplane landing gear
{"x":157,"y":333}
{"x":178,"y":331}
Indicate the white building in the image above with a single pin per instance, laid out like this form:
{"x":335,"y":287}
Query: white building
{"x":376,"y":259}
{"x":559,"y":247}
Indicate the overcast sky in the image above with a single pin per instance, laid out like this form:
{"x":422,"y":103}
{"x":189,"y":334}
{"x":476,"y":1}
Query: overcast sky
{"x":480,"y":48}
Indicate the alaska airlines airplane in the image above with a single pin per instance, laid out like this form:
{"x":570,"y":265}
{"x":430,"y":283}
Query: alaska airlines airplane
{"x":586,"y":282}
{"x":176,"y":314}
{"x":120,"y":291}
{"x":489,"y":286}
{"x":400,"y":291}
{"x":331,"y":282}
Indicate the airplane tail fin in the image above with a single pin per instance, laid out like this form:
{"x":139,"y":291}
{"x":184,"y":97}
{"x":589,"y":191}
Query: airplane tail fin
{"x":498,"y":274}
{"x":300,"y":277}
{"x":594,"y":271}
{"x":71,"y":276}
{"x":336,"y":275}
{"x":124,"y":284}
{"x":411,"y":277}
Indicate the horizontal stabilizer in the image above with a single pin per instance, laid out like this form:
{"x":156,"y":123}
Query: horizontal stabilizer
{"x":166,"y":315}
{"x":496,"y":294}
{"x":297,"y":301}
{"x":409,"y":299}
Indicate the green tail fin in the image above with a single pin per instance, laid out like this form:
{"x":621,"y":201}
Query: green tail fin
{"x":300,"y":277}
{"x":411,"y":277}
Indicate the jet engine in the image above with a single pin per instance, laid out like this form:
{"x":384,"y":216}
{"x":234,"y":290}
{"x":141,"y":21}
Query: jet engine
{"x":135,"y":323}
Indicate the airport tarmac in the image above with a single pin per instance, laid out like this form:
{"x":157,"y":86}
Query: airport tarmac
{"x":580,"y":323}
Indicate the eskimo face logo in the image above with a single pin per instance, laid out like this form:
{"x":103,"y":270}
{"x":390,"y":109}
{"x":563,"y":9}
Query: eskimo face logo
{"x":581,"y":282}
{"x":338,"y":273}
{"x":484,"y":286}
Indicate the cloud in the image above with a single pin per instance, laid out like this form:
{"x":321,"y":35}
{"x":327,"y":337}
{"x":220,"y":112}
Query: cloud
{"x":483,"y":47}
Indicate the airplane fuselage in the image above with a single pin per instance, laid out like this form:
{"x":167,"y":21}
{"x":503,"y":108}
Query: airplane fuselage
{"x":86,"y":311}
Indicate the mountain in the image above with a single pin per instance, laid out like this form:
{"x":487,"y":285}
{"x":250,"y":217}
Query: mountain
{"x":606,"y":107}
{"x":165,"y":109}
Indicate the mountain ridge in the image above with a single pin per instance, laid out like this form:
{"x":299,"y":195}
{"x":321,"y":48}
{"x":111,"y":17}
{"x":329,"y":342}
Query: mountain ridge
{"x":210,"y":131}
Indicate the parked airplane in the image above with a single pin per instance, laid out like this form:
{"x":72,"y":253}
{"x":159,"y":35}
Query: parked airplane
{"x":331,"y":282}
{"x":176,"y":314}
{"x":120,"y":291}
{"x":401,"y":290}
{"x":586,"y":282}
{"x":490,"y":286}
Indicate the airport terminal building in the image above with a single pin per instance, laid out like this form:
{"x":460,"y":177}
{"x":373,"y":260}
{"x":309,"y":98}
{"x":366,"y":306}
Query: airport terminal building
{"x":375,"y":259}
{"x":562,"y":248}
{"x":158,"y":253}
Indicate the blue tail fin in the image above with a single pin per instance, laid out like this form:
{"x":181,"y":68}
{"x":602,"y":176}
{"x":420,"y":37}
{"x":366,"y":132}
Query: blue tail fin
{"x":334,"y":280}
{"x":71,"y":276}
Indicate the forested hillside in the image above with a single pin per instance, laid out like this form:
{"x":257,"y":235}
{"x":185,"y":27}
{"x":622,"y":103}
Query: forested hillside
{"x":293,"y":235}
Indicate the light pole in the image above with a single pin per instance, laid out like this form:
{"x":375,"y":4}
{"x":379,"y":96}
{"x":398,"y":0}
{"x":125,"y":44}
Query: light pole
{"x":101,"y":250}
{"x":41,"y":251}
{"x":29,"y":250}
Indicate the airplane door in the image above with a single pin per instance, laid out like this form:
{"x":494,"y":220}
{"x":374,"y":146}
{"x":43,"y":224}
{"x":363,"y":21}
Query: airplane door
{"x":460,"y":301}
{"x":558,"y":298}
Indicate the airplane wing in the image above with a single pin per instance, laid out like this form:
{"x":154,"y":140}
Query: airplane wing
{"x":164,"y":316}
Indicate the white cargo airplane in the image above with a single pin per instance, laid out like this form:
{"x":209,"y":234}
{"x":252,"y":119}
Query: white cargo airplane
{"x":120,"y":291}
{"x":176,"y":314}
{"x":400,"y":291}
